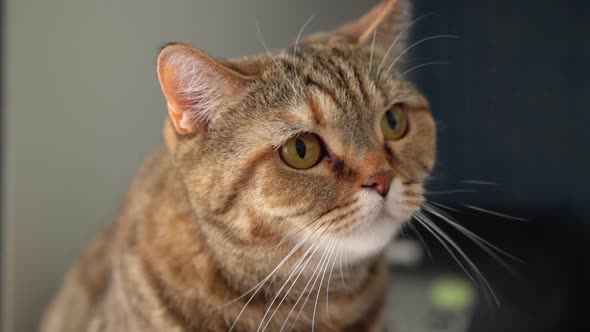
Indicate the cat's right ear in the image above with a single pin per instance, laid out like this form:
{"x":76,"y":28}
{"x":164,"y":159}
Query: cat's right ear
{"x":196,"y":87}
{"x":383,"y":25}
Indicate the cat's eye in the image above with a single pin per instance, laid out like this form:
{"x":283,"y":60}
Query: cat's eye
{"x":302,"y":152}
{"x":394,"y":123}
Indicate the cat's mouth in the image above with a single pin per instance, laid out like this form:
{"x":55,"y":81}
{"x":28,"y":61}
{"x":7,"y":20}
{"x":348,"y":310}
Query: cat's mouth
{"x":390,"y":208}
{"x":376,"y":223}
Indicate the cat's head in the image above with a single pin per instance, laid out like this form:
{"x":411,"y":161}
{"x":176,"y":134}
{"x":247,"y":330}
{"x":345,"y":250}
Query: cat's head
{"x":323,"y":141}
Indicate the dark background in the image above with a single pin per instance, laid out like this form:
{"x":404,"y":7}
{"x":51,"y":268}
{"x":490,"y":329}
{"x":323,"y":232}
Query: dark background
{"x":512,"y":108}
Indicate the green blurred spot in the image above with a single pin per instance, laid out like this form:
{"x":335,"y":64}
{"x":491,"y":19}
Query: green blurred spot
{"x":451,"y":293}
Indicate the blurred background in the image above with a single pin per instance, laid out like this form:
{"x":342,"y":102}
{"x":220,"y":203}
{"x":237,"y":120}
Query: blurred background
{"x":81,"y":107}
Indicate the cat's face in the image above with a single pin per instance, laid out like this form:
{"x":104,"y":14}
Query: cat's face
{"x":317,"y":144}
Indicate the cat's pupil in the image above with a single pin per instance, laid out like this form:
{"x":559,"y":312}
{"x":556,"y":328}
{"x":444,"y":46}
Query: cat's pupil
{"x":300,"y":147}
{"x":391,"y":119}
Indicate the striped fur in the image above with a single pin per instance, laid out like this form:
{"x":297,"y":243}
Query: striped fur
{"x":216,"y":211}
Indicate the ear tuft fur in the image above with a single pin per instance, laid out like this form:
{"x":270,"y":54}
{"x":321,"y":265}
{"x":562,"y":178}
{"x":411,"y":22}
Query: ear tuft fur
{"x":385,"y":22}
{"x":196,"y":86}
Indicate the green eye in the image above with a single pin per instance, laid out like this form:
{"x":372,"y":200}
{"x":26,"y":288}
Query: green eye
{"x":394,"y":123}
{"x":302,"y":152}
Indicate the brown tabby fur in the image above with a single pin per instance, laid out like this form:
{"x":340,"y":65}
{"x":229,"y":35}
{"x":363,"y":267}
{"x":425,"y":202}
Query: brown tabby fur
{"x":207,"y":216}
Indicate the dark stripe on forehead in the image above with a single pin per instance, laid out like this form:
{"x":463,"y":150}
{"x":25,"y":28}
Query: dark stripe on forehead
{"x":372,"y":76}
{"x":309,"y":81}
{"x":362,"y":85}
{"x":329,"y":69}
{"x":349,"y":62}
{"x":335,"y":71}
{"x":349,"y":88}
{"x":316,"y":113}
{"x":320,"y":65}
{"x":338,"y":73}
{"x":288,"y":67}
{"x":323,"y":69}
{"x":350,"y":91}
{"x":341,"y":66}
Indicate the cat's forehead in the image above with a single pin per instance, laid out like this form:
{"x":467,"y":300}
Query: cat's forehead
{"x":283,"y":61}
{"x":333,"y":90}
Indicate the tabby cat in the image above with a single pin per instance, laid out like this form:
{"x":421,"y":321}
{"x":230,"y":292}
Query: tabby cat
{"x":282,"y":178}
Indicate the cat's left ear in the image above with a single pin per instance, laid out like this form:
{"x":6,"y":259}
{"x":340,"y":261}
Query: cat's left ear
{"x":196,"y":86}
{"x":384,"y":23}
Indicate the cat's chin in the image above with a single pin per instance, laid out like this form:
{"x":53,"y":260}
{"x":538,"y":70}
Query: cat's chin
{"x":370,"y":239}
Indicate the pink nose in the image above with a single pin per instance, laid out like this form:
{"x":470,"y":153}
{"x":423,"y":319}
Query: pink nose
{"x":380,"y":181}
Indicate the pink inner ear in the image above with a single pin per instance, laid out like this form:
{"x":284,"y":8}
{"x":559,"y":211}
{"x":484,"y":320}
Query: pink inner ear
{"x":196,"y":86}
{"x":179,"y":105}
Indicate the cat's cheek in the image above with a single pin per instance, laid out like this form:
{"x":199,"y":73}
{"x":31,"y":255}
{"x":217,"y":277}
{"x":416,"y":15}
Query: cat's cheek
{"x":396,"y":206}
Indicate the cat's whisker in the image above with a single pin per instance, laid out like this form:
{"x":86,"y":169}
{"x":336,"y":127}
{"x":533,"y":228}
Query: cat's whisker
{"x":417,"y":59}
{"x":402,"y":231}
{"x":297,"y":93}
{"x":325,"y":268}
{"x":344,"y":262}
{"x":494,"y":213}
{"x":261,"y":283}
{"x":448,"y":192}
{"x":420,"y":66}
{"x":297,"y":231}
{"x":435,"y":229}
{"x":347,"y":265}
{"x":316,"y":278}
{"x":309,"y":222}
{"x":476,"y":238}
{"x":445,"y":207}
{"x":485,"y":246}
{"x":295,"y":270}
{"x":341,"y":272}
{"x":297,"y":42}
{"x":301,"y":270}
{"x":415,"y":229}
{"x":330,"y":278}
{"x":481,"y":182}
{"x":406,"y":27}
{"x":274,"y":271}
{"x":424,"y":223}
{"x":303,"y":292}
{"x":372,"y":49}
{"x":414,"y":45}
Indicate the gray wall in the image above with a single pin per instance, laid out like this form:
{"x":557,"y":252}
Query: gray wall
{"x":83,"y":107}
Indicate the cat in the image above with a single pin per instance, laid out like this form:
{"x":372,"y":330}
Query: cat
{"x":281,"y":180}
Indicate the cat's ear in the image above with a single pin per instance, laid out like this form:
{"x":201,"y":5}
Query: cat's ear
{"x":196,"y":87}
{"x":383,"y":23}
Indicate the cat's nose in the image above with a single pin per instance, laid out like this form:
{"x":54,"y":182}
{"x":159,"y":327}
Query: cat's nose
{"x":380,"y":181}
